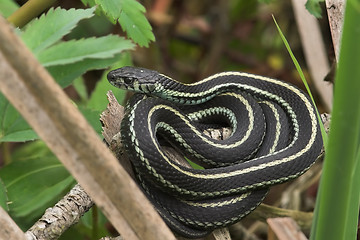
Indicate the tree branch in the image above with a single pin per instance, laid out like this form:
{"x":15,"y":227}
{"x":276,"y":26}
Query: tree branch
{"x":63,"y":215}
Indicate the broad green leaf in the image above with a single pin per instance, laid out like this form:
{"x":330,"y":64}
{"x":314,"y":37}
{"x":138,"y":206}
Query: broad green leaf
{"x":34,"y":206}
{"x":113,"y":8}
{"x":93,"y":118}
{"x":32,"y":150}
{"x":130,"y":14}
{"x":51,"y":27}
{"x":34,"y":183}
{"x":3,"y":196}
{"x":313,"y":6}
{"x":34,"y":180}
{"x":136,"y":28}
{"x":13,"y":128}
{"x":7,"y":7}
{"x":65,"y":74}
{"x":78,"y":50}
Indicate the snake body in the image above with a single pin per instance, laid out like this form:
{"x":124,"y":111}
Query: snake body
{"x":275,"y":137}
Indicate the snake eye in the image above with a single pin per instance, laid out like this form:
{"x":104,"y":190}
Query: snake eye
{"x":128,"y":80}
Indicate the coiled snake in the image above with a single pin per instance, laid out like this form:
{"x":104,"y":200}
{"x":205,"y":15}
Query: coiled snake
{"x":275,"y":137}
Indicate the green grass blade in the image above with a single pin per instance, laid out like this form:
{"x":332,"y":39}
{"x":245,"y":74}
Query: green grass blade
{"x":338,"y":196}
{"x":354,"y":202}
{"x":302,"y":76}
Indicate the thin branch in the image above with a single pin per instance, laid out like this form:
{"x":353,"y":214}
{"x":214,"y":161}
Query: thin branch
{"x":28,"y":11}
{"x":284,"y":229}
{"x":9,"y":229}
{"x":263,"y":212}
{"x":63,"y":215}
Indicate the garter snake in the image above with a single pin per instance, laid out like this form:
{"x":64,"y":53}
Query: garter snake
{"x":275,"y":137}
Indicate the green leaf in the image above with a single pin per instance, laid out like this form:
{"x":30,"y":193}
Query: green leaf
{"x":93,"y":118}
{"x":51,"y":27}
{"x":130,"y":14}
{"x":7,"y":7}
{"x":90,"y":3}
{"x":3,"y":196}
{"x":302,"y":76}
{"x":313,"y":6}
{"x":33,"y":150}
{"x":136,"y":28}
{"x":78,"y":50}
{"x":337,"y":204}
{"x":34,"y":183}
{"x":13,"y":128}
{"x":65,"y":74}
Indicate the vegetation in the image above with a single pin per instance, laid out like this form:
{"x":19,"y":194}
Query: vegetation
{"x":197,"y":39}
{"x":337,"y":206}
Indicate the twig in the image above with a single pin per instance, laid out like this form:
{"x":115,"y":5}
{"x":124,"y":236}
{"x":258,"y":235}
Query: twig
{"x":28,"y":11}
{"x":284,"y":229}
{"x":63,"y":215}
{"x":263,"y":212}
{"x":9,"y":229}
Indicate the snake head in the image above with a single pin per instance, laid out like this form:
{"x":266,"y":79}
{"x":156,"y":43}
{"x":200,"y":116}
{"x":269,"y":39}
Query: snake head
{"x":135,"y":79}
